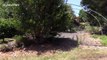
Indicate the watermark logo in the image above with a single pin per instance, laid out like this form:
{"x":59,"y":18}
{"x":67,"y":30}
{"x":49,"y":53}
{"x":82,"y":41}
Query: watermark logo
{"x":7,"y":5}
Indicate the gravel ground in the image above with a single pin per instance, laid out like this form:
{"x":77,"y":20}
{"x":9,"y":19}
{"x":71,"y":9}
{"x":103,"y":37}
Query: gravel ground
{"x":83,"y":37}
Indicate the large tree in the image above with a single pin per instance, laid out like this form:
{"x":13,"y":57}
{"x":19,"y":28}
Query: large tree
{"x":43,"y":17}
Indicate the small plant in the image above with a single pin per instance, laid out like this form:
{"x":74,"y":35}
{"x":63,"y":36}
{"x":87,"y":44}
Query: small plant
{"x":18,"y":38}
{"x":103,"y":39}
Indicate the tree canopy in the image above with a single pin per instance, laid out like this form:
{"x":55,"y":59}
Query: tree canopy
{"x":40,"y":18}
{"x":97,"y":5}
{"x":95,"y":9}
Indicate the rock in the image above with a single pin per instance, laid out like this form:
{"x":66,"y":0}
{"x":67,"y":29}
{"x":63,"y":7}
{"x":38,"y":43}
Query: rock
{"x":12,"y":45}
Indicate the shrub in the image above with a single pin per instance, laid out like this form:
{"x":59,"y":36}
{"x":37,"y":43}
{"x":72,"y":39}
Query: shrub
{"x":23,"y":41}
{"x":8,"y":28}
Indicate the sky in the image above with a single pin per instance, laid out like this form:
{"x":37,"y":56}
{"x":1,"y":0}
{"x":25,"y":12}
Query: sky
{"x":76,"y":9}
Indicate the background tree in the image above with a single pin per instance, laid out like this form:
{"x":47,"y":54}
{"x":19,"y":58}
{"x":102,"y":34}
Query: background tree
{"x":92,"y":19}
{"x":97,"y":13}
{"x":97,"y":6}
{"x":83,"y":16}
{"x":8,"y":24}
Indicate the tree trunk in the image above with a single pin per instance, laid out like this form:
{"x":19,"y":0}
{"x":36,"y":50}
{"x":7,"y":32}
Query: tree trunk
{"x":3,"y":40}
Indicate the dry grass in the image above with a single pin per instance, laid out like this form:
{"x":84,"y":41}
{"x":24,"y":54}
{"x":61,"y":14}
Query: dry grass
{"x":75,"y":54}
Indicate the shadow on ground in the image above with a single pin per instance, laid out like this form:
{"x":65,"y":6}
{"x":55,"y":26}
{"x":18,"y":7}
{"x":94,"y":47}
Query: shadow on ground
{"x":54,"y":44}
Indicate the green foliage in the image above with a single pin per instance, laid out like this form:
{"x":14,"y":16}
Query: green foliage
{"x":8,"y":23}
{"x":7,"y":11}
{"x":98,"y":6}
{"x":93,"y":20}
{"x":93,"y":29}
{"x":44,"y":17}
{"x":38,"y":18}
{"x":83,"y":16}
{"x":8,"y":28}
{"x":18,"y":38}
{"x":103,"y":39}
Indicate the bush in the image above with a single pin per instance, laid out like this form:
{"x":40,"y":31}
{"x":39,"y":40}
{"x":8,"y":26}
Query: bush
{"x":23,"y":41}
{"x":8,"y":28}
{"x":93,"y":29}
